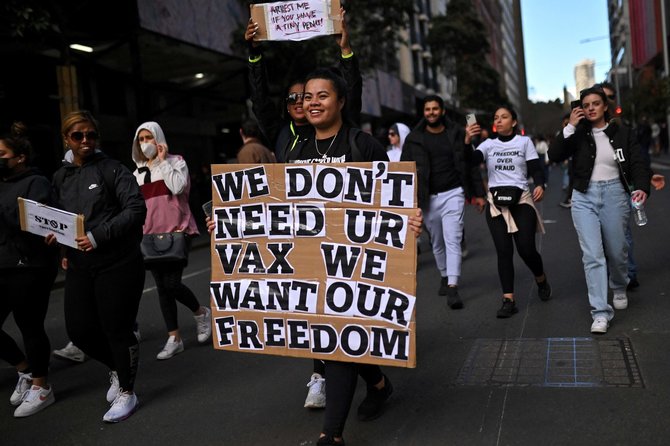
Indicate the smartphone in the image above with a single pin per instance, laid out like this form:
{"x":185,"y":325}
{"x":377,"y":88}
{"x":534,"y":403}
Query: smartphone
{"x":470,"y":119}
{"x":575,"y":104}
{"x":207,"y":208}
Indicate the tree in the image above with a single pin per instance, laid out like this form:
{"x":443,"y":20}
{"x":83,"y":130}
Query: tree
{"x":374,"y":26}
{"x":459,"y":45}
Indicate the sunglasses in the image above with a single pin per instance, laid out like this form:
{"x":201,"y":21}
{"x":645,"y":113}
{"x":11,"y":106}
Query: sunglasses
{"x":611,"y":97}
{"x":294,"y":97}
{"x":79,"y":136}
{"x":392,"y":133}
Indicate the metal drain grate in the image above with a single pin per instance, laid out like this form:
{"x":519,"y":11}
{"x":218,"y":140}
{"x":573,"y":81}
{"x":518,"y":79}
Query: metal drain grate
{"x":551,"y":362}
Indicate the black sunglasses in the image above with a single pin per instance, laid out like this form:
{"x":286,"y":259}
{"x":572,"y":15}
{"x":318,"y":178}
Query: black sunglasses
{"x":294,"y":97}
{"x":79,"y":136}
{"x":611,"y":97}
{"x":391,"y":133}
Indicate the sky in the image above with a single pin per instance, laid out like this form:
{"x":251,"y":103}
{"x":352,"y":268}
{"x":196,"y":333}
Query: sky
{"x":552,"y":31}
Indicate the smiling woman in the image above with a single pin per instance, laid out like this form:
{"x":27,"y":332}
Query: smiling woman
{"x":105,"y":275}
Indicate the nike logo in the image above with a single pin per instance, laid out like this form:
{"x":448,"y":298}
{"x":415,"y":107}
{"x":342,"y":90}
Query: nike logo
{"x":92,"y":186}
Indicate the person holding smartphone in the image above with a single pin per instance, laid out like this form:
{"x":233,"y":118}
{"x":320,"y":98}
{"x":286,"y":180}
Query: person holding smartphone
{"x":608,"y":172}
{"x":509,"y":159}
{"x":165,"y":184}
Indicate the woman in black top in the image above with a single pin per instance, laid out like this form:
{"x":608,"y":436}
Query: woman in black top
{"x":27,"y":271}
{"x":335,"y":142}
{"x":105,"y":276}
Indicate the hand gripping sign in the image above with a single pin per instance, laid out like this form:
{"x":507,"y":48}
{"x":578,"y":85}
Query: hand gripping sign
{"x":296,"y":20}
{"x":315,"y":261}
{"x":40,"y":219}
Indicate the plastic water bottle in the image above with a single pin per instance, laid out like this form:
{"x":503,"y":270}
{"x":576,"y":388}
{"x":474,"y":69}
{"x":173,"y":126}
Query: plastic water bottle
{"x":639,"y":213}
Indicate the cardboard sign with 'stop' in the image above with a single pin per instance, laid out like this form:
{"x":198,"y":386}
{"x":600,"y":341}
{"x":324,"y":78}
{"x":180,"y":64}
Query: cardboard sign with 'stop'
{"x":296,"y":20}
{"x":315,"y":261}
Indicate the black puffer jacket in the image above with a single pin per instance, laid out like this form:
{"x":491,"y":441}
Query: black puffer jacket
{"x":633,"y":170}
{"x":19,"y":249}
{"x":107,"y":194}
{"x":414,"y":150}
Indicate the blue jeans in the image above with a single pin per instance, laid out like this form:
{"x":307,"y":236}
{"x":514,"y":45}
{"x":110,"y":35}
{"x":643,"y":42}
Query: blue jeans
{"x":600,"y":217}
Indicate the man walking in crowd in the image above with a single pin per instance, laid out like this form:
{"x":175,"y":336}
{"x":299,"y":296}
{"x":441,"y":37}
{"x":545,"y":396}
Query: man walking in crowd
{"x":253,"y":151}
{"x":446,"y":178}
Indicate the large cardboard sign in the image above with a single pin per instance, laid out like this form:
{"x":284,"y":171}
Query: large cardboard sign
{"x":296,"y":20}
{"x":41,"y":219}
{"x":315,"y":261}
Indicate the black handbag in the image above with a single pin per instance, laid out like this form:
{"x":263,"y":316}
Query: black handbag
{"x":165,"y":247}
{"x":506,"y":195}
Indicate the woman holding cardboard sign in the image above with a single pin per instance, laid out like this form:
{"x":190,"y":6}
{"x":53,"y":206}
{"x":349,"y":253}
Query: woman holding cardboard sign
{"x":285,"y":136}
{"x":27,"y":272}
{"x":105,"y":276}
{"x":335,"y":141}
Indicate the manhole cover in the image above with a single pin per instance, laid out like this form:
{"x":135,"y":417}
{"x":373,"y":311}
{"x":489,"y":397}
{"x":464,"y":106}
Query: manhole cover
{"x":551,"y":362}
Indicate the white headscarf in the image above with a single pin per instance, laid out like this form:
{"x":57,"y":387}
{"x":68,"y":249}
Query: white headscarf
{"x":394,"y":151}
{"x":159,"y":137}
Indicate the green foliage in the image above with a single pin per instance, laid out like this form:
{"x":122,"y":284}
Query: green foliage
{"x":22,"y":19}
{"x":650,"y":98}
{"x":459,"y":45}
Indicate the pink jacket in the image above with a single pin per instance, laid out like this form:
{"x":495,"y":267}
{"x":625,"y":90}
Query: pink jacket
{"x":165,"y":186}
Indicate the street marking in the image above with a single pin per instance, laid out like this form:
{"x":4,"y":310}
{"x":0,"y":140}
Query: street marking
{"x":187,"y":276}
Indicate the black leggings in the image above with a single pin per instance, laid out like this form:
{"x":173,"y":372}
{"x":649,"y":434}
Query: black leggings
{"x":100,"y":310}
{"x":525,"y":218}
{"x":25,"y":294}
{"x":171,"y":290}
{"x":340,"y":389}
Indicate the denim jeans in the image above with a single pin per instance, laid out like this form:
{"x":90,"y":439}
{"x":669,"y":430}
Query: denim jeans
{"x":444,"y":221}
{"x":600,"y":217}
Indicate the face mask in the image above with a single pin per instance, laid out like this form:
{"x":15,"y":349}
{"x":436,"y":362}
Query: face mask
{"x":149,"y":149}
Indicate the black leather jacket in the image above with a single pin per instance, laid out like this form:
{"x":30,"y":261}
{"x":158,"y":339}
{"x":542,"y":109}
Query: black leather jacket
{"x":634,"y":172}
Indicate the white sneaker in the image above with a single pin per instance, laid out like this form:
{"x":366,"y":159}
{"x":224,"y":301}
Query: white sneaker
{"x":71,"y":352}
{"x":171,"y":348}
{"x":600,"y":325}
{"x":37,"y":398}
{"x":113,"y":391}
{"x":316,"y":396}
{"x":124,"y":405}
{"x":204,"y":325}
{"x":22,"y":386}
{"x":620,"y":301}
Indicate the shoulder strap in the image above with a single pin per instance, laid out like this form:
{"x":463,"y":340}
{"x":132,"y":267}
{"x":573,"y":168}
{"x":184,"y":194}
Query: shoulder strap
{"x":356,"y":155}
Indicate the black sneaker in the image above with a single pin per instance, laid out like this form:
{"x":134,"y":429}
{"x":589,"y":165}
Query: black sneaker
{"x":453,"y":299}
{"x":444,"y":285}
{"x":632,"y":284}
{"x":373,"y":405}
{"x":508,"y":309}
{"x":544,"y":290}
{"x":329,"y":440}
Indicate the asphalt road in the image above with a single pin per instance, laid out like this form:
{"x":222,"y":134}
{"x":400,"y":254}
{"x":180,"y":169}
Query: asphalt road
{"x":478,"y":381}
